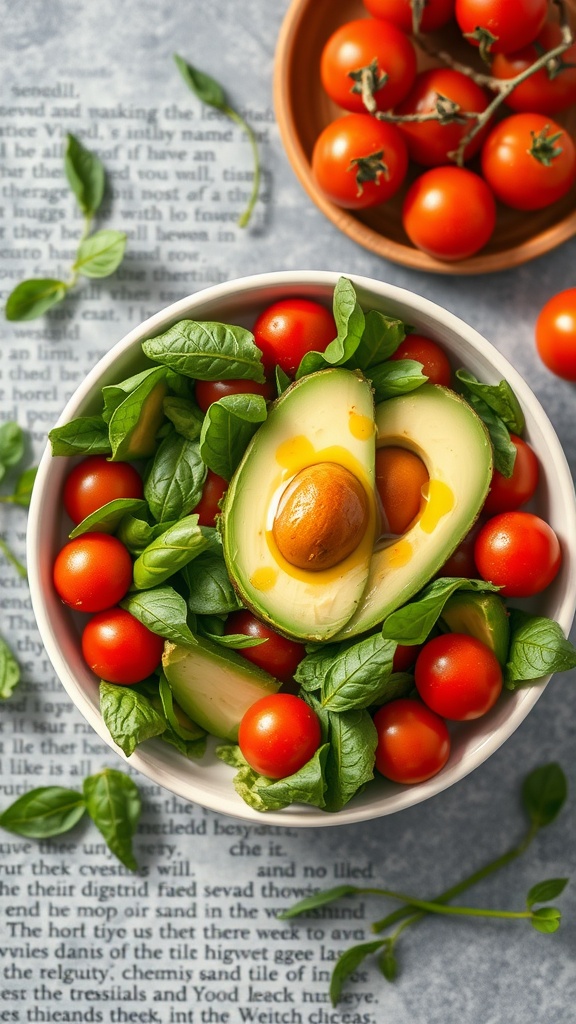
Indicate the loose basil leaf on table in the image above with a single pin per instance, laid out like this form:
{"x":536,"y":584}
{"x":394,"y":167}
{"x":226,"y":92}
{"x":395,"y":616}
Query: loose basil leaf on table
{"x":31,"y":298}
{"x":44,"y":812}
{"x":175,"y":478}
{"x":228,"y":426}
{"x":100,"y":254}
{"x":86,"y":175}
{"x":22,"y":490}
{"x":207,"y":350}
{"x":9,"y":671}
{"x":544,"y":793}
{"x":11,"y":446}
{"x":113,"y":802}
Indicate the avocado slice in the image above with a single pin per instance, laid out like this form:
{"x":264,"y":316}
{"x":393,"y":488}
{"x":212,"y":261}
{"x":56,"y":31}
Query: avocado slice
{"x":214,"y":686}
{"x":324,"y":418}
{"x":454,"y":445}
{"x":483,"y":616}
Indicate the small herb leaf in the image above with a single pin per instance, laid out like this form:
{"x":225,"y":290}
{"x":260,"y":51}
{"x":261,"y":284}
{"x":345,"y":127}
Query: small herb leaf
{"x":86,"y":175}
{"x":544,"y":793}
{"x":228,"y":426}
{"x":207,"y":351}
{"x":85,"y":435}
{"x":544,"y":891}
{"x":347,"y":964}
{"x":9,"y":671}
{"x":34,"y":297}
{"x":206,"y":88}
{"x":129,"y":716}
{"x":538,"y":647}
{"x":100,"y":254}
{"x":546,"y":920}
{"x":47,"y":811}
{"x":113,"y":803}
{"x":163,"y":611}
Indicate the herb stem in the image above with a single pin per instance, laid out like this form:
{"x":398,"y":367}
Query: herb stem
{"x":239,"y":120}
{"x":20,"y":569}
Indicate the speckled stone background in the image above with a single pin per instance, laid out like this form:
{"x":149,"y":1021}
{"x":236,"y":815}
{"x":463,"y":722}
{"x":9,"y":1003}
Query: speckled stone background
{"x":451,"y":973}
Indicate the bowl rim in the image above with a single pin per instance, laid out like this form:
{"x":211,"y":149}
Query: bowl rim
{"x":148,"y":762}
{"x":363,"y":234}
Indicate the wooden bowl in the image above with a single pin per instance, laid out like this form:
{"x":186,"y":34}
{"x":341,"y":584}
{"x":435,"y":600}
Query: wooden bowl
{"x":303,"y":110}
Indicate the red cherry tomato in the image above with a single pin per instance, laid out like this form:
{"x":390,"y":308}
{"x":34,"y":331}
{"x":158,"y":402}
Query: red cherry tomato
{"x":433,"y":213}
{"x":461,"y":561}
{"x":355,"y":46}
{"x":458,"y":676}
{"x":513,"y":23}
{"x":119,"y":649}
{"x":209,"y":391}
{"x":548,"y":90}
{"x":430,"y":142}
{"x":413,"y":741}
{"x":529,"y":161}
{"x":436,"y":13}
{"x":278,"y":655}
{"x":519,"y":552}
{"x":94,"y":482}
{"x":509,"y":493}
{"x":556,"y":334}
{"x":359,"y":162}
{"x":279,"y":734}
{"x":404,"y":657}
{"x":435,"y":362}
{"x":290,"y":328}
{"x":92,"y":572}
{"x":208,"y":508}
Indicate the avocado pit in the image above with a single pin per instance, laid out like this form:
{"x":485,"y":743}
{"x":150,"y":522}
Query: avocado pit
{"x":321,"y":517}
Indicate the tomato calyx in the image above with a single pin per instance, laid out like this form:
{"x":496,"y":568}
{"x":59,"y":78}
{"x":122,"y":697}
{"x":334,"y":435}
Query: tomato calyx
{"x":368,"y":80}
{"x":544,"y":148}
{"x":369,"y":169}
{"x":484,"y":39}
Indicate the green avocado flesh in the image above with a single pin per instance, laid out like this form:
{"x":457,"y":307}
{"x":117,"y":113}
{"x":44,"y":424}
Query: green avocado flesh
{"x":214,"y":686}
{"x":326,"y":417}
{"x":440,"y":427}
{"x":483,"y":616}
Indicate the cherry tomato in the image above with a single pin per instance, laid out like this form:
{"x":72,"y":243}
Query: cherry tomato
{"x":458,"y":676}
{"x":92,"y":572}
{"x":461,"y":561}
{"x":430,"y":142}
{"x":556,"y":334}
{"x":208,"y":391}
{"x":519,"y":552}
{"x":94,"y":482}
{"x":514,"y":23}
{"x":208,"y":508}
{"x":400,"y":478}
{"x":509,"y":493}
{"x":119,"y":649}
{"x":529,"y":161}
{"x":290,"y":328}
{"x":413,"y":741}
{"x":436,"y":13}
{"x":354,"y":47}
{"x":548,"y":90}
{"x":435,"y":363}
{"x":359,"y":162}
{"x":433,"y":213}
{"x":278,"y":655}
{"x":404,"y":657}
{"x":279,"y":734}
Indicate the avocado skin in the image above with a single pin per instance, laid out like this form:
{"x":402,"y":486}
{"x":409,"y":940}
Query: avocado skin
{"x":483,"y":616}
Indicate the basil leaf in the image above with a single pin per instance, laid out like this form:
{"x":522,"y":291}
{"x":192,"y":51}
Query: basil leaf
{"x":136,"y":534}
{"x":544,"y":891}
{"x":504,"y":450}
{"x":348,"y":962}
{"x":228,"y":426}
{"x":135,"y":413}
{"x":169,"y":552}
{"x":175,"y":479}
{"x":282,"y":380}
{"x":207,"y":351}
{"x":500,"y":397}
{"x":305,"y":786}
{"x":86,"y":176}
{"x":113,"y":803}
{"x":396,"y":377}
{"x":85,"y":435}
{"x":23,"y":490}
{"x":202,"y":85}
{"x":387,"y":961}
{"x":544,"y":793}
{"x":210,"y":587}
{"x":108,"y":518}
{"x":9,"y":671}
{"x":184,"y":415}
{"x":34,"y":297}
{"x":358,"y":675}
{"x":236,"y":641}
{"x":352,"y":741}
{"x":412,"y":623}
{"x":349,"y":325}
{"x":129,"y":716}
{"x":538,"y":648}
{"x":47,"y":811}
{"x":163,"y":611}
{"x":381,"y":337}
{"x":100,"y":254}
{"x":11,"y":445}
{"x":546,"y":920}
{"x":313,"y":669}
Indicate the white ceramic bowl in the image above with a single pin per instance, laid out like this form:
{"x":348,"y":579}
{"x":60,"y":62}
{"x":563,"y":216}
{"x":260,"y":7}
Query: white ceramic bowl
{"x":209,"y":782}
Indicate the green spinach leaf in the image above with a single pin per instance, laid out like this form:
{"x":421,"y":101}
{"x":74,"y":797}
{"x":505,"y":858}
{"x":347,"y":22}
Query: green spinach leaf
{"x":113,"y":803}
{"x":207,"y":351}
{"x":228,"y":426}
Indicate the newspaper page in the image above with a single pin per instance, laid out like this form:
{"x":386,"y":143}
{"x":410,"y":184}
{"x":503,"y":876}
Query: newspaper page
{"x":193,"y":935}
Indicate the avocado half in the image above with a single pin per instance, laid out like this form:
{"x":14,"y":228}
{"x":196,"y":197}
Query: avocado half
{"x":450,"y":438}
{"x":326,"y":417}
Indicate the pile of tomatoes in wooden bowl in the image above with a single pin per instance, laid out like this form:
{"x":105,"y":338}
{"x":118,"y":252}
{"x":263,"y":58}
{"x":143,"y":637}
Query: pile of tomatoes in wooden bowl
{"x":438,"y":134}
